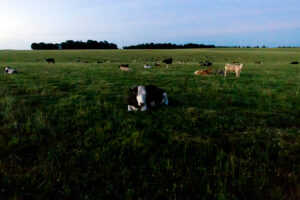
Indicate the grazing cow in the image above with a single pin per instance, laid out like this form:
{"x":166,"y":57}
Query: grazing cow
{"x":294,"y":63}
{"x":147,"y":66}
{"x":9,"y":70}
{"x":203,"y":72}
{"x":50,"y":60}
{"x":168,"y":61}
{"x":233,"y":68}
{"x":257,"y":62}
{"x":220,"y":72}
{"x":99,"y":62}
{"x":144,"y":97}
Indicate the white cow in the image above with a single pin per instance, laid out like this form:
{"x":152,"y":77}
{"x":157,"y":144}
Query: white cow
{"x":237,"y":68}
{"x":9,"y":70}
{"x":147,"y":66}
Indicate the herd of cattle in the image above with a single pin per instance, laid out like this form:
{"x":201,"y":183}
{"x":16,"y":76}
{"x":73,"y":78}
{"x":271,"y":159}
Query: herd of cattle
{"x":141,"y":98}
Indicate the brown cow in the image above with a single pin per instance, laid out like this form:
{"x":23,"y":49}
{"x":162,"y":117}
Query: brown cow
{"x":203,"y":72}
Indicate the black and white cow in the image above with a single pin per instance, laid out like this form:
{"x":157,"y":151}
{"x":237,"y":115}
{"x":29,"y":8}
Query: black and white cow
{"x":9,"y":70}
{"x":144,"y":97}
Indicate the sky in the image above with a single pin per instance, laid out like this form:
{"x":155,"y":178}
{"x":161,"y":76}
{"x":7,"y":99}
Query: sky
{"x":127,"y":22}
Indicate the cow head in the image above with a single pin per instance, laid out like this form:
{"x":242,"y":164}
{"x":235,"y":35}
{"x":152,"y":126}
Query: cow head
{"x":137,"y":99}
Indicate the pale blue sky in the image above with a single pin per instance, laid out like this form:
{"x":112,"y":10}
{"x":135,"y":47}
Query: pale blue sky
{"x":127,"y":22}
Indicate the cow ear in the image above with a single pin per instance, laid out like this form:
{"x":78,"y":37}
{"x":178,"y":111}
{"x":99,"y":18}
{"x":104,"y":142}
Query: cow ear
{"x":134,"y":90}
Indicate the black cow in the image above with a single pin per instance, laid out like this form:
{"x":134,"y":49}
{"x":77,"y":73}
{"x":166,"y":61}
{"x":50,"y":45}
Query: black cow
{"x":168,"y":61}
{"x":50,"y":60}
{"x":206,"y":63}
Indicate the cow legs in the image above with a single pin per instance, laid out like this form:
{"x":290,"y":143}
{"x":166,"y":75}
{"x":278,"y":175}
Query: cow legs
{"x":225,"y":73}
{"x":166,"y":98}
{"x":131,"y":108}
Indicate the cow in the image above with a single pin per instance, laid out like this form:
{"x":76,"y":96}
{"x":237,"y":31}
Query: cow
{"x":124,"y":67}
{"x":143,"y":97}
{"x":206,"y":63}
{"x":203,"y":72}
{"x":49,"y":60}
{"x":233,"y":68}
{"x":220,"y":72}
{"x":168,"y":61}
{"x":147,"y":66}
{"x":156,"y":64}
{"x":257,"y":62}
{"x":8,"y":70}
{"x":294,"y":63}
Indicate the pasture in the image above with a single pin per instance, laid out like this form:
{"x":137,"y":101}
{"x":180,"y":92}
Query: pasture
{"x":65,"y":132}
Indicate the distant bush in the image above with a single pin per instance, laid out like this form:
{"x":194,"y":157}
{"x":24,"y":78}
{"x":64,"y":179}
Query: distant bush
{"x":70,"y":44}
{"x":168,"y":46}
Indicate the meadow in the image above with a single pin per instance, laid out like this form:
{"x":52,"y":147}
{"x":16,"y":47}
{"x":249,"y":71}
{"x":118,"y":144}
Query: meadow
{"x":65,"y":132}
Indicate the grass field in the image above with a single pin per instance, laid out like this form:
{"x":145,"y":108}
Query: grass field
{"x":65,"y":132}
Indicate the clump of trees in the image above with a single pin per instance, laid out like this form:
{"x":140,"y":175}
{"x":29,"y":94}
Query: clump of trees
{"x":168,"y":46}
{"x":42,"y":45}
{"x":70,"y":44}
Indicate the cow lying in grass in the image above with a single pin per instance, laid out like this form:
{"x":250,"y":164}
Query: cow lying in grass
{"x":144,"y":97}
{"x":50,"y":60}
{"x":203,"y":72}
{"x":233,"y":68}
{"x":205,"y":64}
{"x":220,"y":72}
{"x":147,"y":66}
{"x":125,"y":67}
{"x":9,"y":70}
{"x":157,"y":64}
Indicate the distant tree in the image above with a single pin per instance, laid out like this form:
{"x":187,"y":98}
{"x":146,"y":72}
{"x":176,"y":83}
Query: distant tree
{"x":167,"y":46}
{"x":70,"y":44}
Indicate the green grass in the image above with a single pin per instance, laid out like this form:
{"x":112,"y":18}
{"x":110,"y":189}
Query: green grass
{"x":65,"y":132}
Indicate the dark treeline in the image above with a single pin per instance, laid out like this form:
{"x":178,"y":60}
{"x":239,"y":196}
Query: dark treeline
{"x":168,"y":46}
{"x":70,"y":44}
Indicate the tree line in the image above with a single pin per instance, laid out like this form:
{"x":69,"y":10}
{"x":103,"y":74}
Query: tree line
{"x":168,"y":46}
{"x":70,"y":44}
